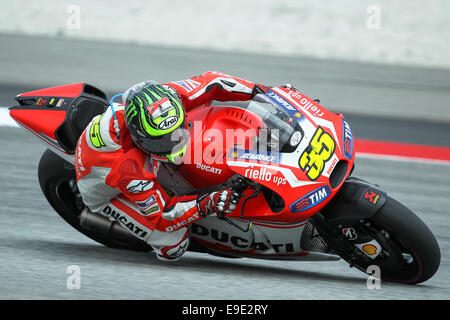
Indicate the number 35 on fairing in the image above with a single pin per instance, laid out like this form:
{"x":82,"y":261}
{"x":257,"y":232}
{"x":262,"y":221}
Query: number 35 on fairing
{"x":319,"y":151}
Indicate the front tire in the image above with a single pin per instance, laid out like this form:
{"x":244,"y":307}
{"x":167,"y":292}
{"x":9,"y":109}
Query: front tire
{"x":409,"y":251}
{"x":418,"y":252}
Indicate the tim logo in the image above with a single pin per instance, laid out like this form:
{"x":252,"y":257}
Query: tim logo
{"x":311,"y":199}
{"x":348,"y":140}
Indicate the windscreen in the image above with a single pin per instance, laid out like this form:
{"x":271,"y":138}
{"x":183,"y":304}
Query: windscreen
{"x":282,"y":132}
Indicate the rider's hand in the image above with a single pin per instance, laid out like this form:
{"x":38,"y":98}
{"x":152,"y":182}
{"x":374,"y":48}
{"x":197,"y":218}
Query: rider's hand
{"x":223,"y":201}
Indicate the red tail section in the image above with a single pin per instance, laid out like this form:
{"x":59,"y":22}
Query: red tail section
{"x":68,"y":91}
{"x":58,"y":115}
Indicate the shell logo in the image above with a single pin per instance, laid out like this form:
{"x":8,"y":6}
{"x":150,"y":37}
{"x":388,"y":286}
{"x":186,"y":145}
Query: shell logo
{"x":369,"y":249}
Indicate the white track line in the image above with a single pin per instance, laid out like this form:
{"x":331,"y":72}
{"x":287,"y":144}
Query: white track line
{"x":5,"y":119}
{"x":399,"y":158}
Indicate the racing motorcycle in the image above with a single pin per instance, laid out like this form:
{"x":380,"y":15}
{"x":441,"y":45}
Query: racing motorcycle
{"x":299,"y":200}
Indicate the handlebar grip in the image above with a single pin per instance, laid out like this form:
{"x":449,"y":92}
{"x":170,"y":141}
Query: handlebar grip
{"x":239,"y":185}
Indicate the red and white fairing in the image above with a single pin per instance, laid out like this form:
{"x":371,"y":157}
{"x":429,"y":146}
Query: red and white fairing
{"x":273,"y":234}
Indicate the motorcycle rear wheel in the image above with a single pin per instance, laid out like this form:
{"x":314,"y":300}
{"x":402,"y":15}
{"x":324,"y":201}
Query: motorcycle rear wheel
{"x":58,"y":183}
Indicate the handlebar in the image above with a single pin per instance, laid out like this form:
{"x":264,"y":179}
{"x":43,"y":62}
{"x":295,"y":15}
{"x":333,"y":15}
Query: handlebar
{"x":239,"y":185}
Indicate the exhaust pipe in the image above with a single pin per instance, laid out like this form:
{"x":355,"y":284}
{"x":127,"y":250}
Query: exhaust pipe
{"x":97,"y":223}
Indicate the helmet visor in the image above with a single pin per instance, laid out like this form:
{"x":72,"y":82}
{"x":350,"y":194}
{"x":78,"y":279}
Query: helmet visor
{"x":163,"y":145}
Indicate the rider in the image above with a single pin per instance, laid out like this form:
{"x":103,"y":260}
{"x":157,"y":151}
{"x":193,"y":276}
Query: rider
{"x":119,"y":153}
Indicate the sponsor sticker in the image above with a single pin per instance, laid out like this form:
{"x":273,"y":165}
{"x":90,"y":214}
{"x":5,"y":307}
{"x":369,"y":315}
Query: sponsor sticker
{"x":264,"y":175}
{"x":372,"y":197}
{"x":372,"y":248}
{"x":234,"y":241}
{"x":207,"y":168}
{"x":332,"y":165}
{"x":193,"y":84}
{"x":286,"y":105}
{"x":188,"y":84}
{"x":159,"y":108}
{"x":295,"y":138}
{"x":369,"y":249}
{"x":241,"y":154}
{"x":153,"y":209}
{"x":183,"y":223}
{"x":143,"y":205}
{"x":78,"y":160}
{"x":168,"y":123}
{"x":94,"y":134}
{"x":41,"y":102}
{"x":60,"y":102}
{"x":350,"y":233}
{"x":126,"y":221}
{"x":311,"y":199}
{"x":306,"y":104}
{"x":347,"y":140}
{"x":137,"y":186}
{"x":184,"y":85}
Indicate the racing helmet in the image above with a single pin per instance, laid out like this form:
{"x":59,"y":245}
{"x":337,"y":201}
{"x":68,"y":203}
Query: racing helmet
{"x":156,"y":120}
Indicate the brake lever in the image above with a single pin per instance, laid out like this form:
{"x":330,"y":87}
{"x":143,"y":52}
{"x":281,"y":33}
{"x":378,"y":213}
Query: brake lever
{"x":239,"y":186}
{"x":221,"y":216}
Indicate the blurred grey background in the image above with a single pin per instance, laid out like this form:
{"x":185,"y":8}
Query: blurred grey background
{"x":367,"y":57}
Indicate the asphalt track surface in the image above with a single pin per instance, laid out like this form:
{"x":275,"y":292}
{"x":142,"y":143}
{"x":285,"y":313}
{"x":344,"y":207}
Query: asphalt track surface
{"x":37,"y":246}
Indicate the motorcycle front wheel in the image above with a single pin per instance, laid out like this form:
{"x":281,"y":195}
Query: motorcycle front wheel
{"x":410,"y":253}
{"x":409,"y":250}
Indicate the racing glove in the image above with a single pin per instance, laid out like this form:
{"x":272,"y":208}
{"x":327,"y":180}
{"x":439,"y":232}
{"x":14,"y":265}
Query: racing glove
{"x":223,"y":201}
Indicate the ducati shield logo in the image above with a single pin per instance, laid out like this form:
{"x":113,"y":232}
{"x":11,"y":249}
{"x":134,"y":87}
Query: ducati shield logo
{"x":168,"y":123}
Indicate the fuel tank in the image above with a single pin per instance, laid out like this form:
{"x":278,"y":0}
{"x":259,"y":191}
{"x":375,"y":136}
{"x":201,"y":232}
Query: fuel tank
{"x":214,"y":131}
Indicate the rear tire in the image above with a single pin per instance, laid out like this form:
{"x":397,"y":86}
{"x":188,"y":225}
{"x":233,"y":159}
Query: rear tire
{"x":58,"y":183}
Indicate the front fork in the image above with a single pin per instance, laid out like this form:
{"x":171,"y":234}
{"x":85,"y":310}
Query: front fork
{"x":342,"y":221}
{"x":362,"y":240}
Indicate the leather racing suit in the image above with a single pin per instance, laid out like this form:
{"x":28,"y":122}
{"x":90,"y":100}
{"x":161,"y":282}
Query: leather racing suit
{"x":117,"y":180}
